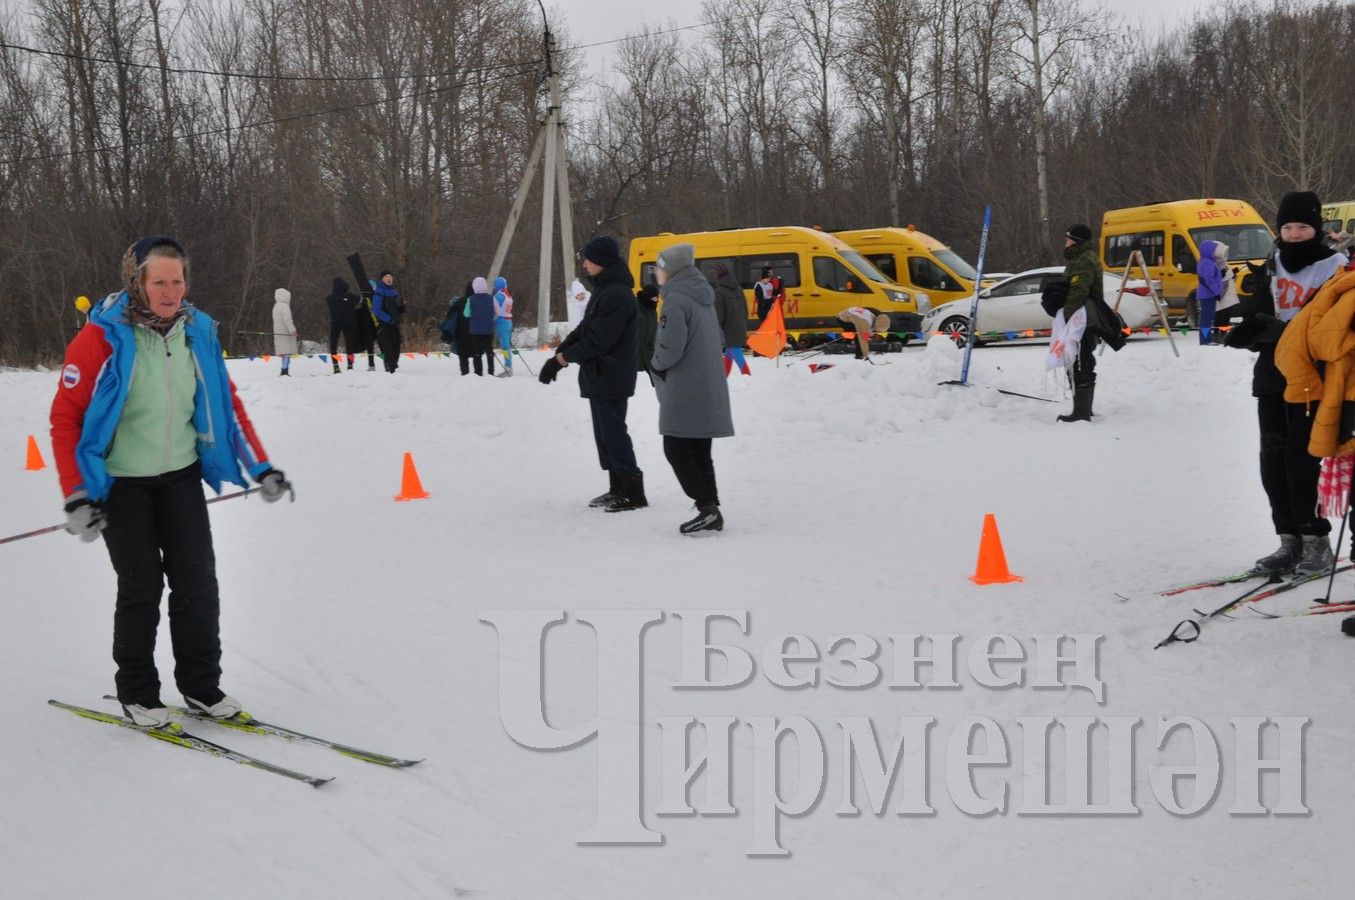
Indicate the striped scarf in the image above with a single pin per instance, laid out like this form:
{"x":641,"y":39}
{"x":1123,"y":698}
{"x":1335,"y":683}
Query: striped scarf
{"x":1333,"y":485}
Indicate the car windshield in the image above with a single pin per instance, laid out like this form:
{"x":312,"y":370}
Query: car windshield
{"x":859,"y":263}
{"x":956,"y":264}
{"x":1244,"y":241}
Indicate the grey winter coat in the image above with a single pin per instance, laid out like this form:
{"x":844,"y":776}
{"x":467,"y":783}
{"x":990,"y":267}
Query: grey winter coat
{"x":731,"y":308}
{"x":688,"y":367}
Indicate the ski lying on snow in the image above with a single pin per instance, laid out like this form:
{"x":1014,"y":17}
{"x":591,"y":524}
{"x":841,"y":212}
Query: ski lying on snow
{"x":1188,"y":630}
{"x":245,"y":722}
{"x":1212,"y":582}
{"x":1343,"y":606}
{"x":1292,"y":583}
{"x":174,"y":734}
{"x":1220,"y":581}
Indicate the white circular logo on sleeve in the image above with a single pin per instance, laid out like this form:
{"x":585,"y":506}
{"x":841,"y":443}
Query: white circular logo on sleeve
{"x":70,"y":376}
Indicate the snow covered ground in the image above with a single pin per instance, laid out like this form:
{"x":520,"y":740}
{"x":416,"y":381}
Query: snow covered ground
{"x":853,"y":498}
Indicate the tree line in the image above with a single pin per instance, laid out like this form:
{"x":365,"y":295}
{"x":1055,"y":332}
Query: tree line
{"x":275,"y":138}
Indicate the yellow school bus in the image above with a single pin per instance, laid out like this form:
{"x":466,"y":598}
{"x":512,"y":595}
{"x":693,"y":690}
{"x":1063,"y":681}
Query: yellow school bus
{"x":1169,"y":236}
{"x":1339,"y":216}
{"x":822,"y":275}
{"x":917,"y":261}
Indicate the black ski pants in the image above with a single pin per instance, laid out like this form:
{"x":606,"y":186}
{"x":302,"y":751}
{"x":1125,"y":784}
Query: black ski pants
{"x":1084,"y":367}
{"x":389,"y":340}
{"x":349,"y":344}
{"x":1288,"y":471}
{"x":616,"y":453}
{"x":158,"y":530}
{"x":482,"y":345}
{"x":691,"y":462}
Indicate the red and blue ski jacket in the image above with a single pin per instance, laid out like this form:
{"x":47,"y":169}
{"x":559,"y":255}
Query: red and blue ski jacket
{"x":94,"y":383}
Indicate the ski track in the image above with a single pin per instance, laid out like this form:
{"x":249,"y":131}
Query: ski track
{"x":854,"y":499}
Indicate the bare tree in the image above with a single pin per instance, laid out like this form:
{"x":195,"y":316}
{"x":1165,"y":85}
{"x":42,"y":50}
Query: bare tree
{"x":1053,"y":34}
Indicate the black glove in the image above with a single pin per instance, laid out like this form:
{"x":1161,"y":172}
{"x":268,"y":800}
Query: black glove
{"x":549,"y":370}
{"x":85,"y":518}
{"x":273,"y":484}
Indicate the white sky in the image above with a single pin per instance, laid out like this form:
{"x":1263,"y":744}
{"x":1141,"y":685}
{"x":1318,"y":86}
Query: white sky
{"x":601,"y":20}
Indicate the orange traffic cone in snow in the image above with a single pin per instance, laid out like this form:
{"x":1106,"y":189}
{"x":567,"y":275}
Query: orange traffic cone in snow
{"x":35,"y":462}
{"x":992,"y":565}
{"x":410,"y":486}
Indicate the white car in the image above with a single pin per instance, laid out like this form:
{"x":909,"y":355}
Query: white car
{"x":1012,"y":306}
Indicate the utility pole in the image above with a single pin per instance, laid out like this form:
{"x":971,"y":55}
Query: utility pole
{"x":550,"y":142}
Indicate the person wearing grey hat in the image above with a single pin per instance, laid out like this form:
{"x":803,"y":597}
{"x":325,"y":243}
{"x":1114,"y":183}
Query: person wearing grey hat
{"x":688,"y":369}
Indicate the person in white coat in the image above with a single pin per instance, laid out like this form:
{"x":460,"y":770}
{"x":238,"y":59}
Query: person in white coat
{"x":284,"y":329}
{"x":578,"y":302}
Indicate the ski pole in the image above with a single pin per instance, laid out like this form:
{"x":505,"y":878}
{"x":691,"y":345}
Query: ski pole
{"x":525,"y":363}
{"x":1178,"y":634}
{"x":50,"y":528}
{"x":821,"y":348}
{"x":957,"y":383}
{"x":1340,"y":536}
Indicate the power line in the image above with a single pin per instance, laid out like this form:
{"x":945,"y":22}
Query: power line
{"x":212,"y":132}
{"x":261,"y":76}
{"x":255,"y":76}
{"x":622,"y":40}
{"x":523,"y":67}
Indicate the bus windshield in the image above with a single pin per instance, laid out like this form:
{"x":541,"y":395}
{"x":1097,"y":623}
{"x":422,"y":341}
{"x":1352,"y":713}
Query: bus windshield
{"x":956,"y":264}
{"x":859,"y":263}
{"x":1244,"y":241}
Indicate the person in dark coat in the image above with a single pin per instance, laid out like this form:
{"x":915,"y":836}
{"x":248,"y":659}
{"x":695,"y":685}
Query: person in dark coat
{"x":693,"y":394}
{"x":1293,"y":272}
{"x":732,"y":310}
{"x":647,"y":299}
{"x":1083,"y":274}
{"x":606,"y":348}
{"x":456,"y":329}
{"x":480,"y":327}
{"x":364,"y":329}
{"x":343,"y":319}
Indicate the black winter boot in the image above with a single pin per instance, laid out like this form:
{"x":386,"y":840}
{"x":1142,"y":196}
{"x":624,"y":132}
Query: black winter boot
{"x":613,"y":491}
{"x":631,"y":494}
{"x":1348,"y":626}
{"x":1082,"y":404}
{"x":707,"y":518}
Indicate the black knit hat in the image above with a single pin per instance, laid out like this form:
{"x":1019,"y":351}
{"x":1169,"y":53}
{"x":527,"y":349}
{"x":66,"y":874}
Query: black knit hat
{"x":1078,"y":233}
{"x":602,"y":250}
{"x":1302,"y":207}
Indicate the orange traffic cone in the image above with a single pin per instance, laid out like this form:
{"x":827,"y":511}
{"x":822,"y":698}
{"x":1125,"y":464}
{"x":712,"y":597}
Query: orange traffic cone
{"x":35,"y":462}
{"x":992,"y":566}
{"x":410,"y":486}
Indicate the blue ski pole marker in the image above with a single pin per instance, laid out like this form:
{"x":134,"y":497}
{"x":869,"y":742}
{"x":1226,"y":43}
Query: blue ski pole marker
{"x":974,"y":303}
